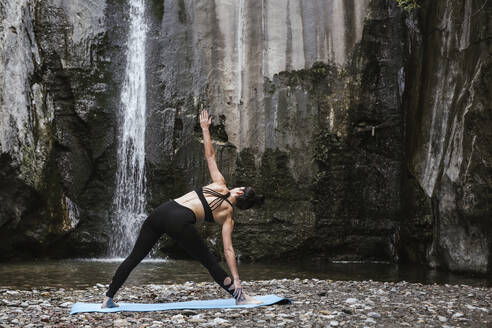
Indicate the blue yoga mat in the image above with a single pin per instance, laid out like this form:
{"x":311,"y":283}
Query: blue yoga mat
{"x":224,"y":303}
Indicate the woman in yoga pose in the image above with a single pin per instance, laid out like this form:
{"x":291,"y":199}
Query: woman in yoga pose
{"x":177,"y":218}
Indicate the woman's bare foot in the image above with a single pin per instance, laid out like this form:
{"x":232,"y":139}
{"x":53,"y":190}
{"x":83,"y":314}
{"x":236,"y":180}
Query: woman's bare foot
{"x":246,"y":299}
{"x":108,"y":303}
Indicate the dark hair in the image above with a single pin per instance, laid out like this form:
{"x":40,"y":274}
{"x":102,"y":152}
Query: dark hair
{"x":248,"y":199}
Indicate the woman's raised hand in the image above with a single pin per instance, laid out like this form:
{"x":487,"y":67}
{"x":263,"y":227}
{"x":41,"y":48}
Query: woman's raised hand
{"x":205,"y":120}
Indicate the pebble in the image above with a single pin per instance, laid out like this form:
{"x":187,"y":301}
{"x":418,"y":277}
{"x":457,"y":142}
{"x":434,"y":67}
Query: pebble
{"x":342,"y":304}
{"x":220,"y":321}
{"x":457,"y":315}
{"x":374,"y":315}
{"x":197,"y":319}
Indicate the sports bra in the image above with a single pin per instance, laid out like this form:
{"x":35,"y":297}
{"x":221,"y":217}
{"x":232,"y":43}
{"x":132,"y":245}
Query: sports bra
{"x":208,"y":208}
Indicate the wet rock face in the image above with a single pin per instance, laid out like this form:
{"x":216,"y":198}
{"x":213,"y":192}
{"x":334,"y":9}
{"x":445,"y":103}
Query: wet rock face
{"x":448,"y":104}
{"x":298,"y":130}
{"x":207,"y":53}
{"x":58,"y":118}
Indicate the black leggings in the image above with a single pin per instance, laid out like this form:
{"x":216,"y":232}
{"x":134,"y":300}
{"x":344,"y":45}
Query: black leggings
{"x":178,"y":222}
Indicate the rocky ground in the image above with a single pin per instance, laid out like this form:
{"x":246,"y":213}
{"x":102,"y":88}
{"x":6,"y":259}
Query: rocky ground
{"x":316,"y":303}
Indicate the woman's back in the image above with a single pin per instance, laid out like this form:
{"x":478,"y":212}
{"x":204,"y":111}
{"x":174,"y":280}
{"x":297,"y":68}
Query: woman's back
{"x":192,"y":201}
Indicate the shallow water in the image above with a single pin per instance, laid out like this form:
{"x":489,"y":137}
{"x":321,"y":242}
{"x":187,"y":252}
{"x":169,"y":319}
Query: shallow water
{"x":81,"y":273}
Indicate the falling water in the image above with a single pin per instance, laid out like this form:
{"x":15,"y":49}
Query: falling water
{"x":129,"y":200}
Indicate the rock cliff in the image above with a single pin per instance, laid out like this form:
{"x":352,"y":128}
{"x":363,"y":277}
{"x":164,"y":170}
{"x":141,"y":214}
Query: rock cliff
{"x":447,"y":104}
{"x":61,"y":74}
{"x":365,"y":126}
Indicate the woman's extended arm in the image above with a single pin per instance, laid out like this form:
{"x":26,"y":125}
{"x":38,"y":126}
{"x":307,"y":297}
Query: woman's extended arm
{"x":205,"y":122}
{"x":230,"y":256}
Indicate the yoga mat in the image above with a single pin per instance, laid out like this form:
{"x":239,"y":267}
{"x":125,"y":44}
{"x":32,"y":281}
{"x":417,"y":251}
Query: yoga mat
{"x":224,"y":303}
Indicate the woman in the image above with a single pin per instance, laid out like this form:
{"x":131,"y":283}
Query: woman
{"x":177,"y":219}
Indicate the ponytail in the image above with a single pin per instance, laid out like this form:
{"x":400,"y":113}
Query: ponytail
{"x":249,"y":199}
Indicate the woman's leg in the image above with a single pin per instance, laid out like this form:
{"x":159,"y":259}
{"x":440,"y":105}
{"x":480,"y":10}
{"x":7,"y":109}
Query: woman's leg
{"x":145,"y":241}
{"x":194,"y":245}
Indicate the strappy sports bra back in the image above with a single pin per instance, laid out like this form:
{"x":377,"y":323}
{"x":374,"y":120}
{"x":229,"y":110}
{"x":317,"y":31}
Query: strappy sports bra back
{"x":208,"y":208}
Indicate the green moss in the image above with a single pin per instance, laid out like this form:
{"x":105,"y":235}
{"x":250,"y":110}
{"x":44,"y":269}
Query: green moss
{"x":309,"y":78}
{"x":327,"y":144}
{"x":328,"y":149}
{"x":408,"y":4}
{"x":276,"y":180}
{"x":218,"y":131}
{"x":166,"y":181}
{"x":246,"y":173}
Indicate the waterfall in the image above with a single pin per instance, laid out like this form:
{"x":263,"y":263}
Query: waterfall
{"x":129,"y":199}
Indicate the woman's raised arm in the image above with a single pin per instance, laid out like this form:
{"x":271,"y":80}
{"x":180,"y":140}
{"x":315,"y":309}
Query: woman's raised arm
{"x":205,"y":122}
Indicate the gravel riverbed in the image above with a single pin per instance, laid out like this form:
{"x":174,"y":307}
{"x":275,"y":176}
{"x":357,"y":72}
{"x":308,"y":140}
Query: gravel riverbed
{"x":316,"y":303}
